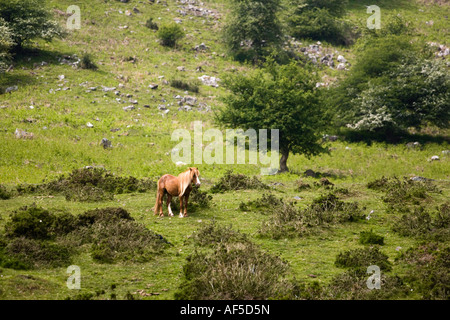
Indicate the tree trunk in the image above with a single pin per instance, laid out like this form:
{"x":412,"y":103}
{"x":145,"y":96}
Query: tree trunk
{"x":283,"y":161}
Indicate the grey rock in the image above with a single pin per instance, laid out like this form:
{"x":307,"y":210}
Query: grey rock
{"x":105,"y":143}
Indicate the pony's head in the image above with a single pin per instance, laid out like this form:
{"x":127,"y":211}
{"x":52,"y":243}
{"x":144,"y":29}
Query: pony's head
{"x":194,"y":176}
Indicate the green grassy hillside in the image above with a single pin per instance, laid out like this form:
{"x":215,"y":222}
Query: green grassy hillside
{"x":69,"y":111}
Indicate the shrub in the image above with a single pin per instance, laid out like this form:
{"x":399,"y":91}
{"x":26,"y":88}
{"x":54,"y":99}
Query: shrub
{"x":302,"y":185}
{"x":421,"y":224}
{"x":30,"y":222}
{"x":38,"y":254}
{"x":214,"y":234}
{"x":151,"y":24}
{"x":320,"y":24}
{"x":87,"y":63}
{"x":369,"y":237}
{"x":352,"y":285}
{"x":360,"y":259}
{"x":231,"y":181}
{"x":124,"y":240}
{"x":4,"y":193}
{"x":183,"y":85}
{"x":28,"y":20}
{"x":267,"y":201}
{"x":399,"y":192}
{"x":105,"y":215}
{"x":289,"y":221}
{"x":429,"y":272}
{"x":169,"y":35}
{"x":89,"y":184}
{"x":239,"y":271}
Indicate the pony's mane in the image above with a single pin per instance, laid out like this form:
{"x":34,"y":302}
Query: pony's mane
{"x":186,"y":180}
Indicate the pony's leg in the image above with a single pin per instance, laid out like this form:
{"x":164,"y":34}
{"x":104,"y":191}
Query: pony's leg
{"x":186,"y":198}
{"x":169,"y":199}
{"x":181,"y":207}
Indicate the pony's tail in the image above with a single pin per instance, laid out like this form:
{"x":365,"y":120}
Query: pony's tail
{"x":156,"y":207}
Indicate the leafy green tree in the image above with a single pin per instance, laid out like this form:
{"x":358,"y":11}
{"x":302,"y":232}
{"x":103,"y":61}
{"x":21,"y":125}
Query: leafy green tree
{"x":253,"y":30}
{"x":278,"y":97}
{"x":6,"y":44}
{"x":416,"y":94}
{"x":27,"y":20}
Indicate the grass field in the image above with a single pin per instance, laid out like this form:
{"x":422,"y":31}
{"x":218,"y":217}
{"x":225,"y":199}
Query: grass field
{"x":56,"y":110}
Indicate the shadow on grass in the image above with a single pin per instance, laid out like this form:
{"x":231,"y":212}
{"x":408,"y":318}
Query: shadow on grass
{"x":391,"y":137}
{"x":31,"y":59}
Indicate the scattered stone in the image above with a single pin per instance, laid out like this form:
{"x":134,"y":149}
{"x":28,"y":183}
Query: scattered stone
{"x":413,"y":144}
{"x":153,"y":86}
{"x":128,"y":108}
{"x":421,"y":179}
{"x":105,"y":143}
{"x":181,"y":68}
{"x":209,"y":81}
{"x":190,"y":100}
{"x":297,"y":198}
{"x":22,"y":134}
{"x":11,"y":89}
{"x":89,"y":125}
{"x":434,"y":158}
{"x":201,"y":47}
{"x":443,"y":152}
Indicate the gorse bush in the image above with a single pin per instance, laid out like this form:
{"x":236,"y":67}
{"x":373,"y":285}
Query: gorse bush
{"x":87,"y":63}
{"x":429,"y":273}
{"x":370,"y":237}
{"x":213,"y":234}
{"x":320,"y":24}
{"x":231,"y":181}
{"x":169,"y":35}
{"x":267,"y":202}
{"x":399,"y":192}
{"x":5,"y":194}
{"x":231,"y":268}
{"x":360,"y":259}
{"x":420,"y":223}
{"x":89,"y":184}
{"x":36,"y":238}
{"x":288,"y":221}
{"x":151,"y":24}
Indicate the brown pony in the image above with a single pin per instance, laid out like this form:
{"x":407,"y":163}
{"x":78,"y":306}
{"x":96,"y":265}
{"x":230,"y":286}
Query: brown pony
{"x":180,"y":186}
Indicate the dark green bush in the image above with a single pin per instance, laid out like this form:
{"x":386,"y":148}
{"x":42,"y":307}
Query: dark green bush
{"x":124,"y":240}
{"x":87,"y":63}
{"x":320,"y":24}
{"x":213,"y":234}
{"x":233,"y":271}
{"x":151,"y":24}
{"x":4,"y":193}
{"x":360,"y":259}
{"x":267,"y":202}
{"x":89,"y":184}
{"x":105,"y":215}
{"x":422,"y":224}
{"x":429,"y":270}
{"x":169,"y":35}
{"x":288,"y":221}
{"x":31,"y":222}
{"x":400,"y":192}
{"x":231,"y":181}
{"x":370,"y":237}
{"x":38,"y":253}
